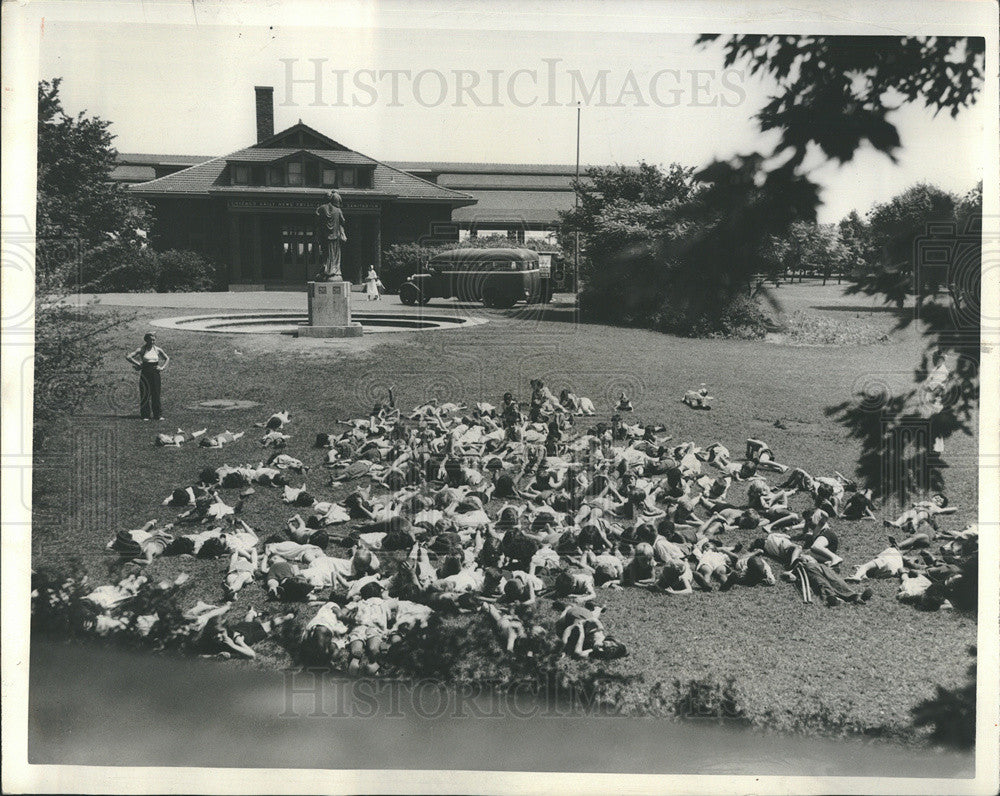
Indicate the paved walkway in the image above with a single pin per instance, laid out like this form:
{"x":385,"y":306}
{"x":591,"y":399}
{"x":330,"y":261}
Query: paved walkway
{"x":278,"y":300}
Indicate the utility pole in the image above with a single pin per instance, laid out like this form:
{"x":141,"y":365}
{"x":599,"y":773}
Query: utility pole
{"x":576,"y":205}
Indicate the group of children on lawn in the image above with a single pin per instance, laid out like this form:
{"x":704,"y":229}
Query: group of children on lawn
{"x":505,"y":509}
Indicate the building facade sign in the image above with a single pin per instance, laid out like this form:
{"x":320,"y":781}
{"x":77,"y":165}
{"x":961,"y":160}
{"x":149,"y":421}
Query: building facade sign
{"x":276,"y":205}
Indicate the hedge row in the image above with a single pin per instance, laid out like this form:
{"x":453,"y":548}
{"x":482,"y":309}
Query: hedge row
{"x":120,"y":268}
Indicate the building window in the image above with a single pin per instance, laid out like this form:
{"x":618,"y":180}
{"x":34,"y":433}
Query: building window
{"x":241,"y":174}
{"x":312,"y":173}
{"x":298,"y":246}
{"x":256,"y":175}
{"x":329,"y":178}
{"x":365,"y":178}
{"x":275,"y":175}
{"x":348,"y":178}
{"x":294,"y":173}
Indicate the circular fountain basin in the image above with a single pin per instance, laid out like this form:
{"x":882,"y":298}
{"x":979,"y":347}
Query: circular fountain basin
{"x":289,"y":322}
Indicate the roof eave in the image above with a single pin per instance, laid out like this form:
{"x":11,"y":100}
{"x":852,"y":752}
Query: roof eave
{"x":285,"y":190}
{"x":445,"y":200}
{"x":264,"y":192}
{"x":136,"y":188}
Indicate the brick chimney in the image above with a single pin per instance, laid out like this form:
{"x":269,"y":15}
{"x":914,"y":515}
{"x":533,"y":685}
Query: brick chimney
{"x":265,"y":112}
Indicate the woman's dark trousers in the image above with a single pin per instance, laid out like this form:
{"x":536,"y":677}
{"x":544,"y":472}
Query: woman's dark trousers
{"x":149,"y":392}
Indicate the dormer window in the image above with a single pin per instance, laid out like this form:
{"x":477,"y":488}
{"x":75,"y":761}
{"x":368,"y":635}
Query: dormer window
{"x":301,"y":169}
{"x":312,"y":173}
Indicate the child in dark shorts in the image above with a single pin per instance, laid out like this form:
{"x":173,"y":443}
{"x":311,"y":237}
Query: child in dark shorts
{"x":859,"y":506}
{"x":819,"y":539}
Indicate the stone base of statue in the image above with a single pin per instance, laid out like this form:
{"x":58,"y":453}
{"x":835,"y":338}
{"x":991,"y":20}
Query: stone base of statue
{"x":330,"y":311}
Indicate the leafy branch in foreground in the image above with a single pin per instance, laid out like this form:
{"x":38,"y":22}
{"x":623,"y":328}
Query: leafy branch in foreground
{"x":837,"y":94}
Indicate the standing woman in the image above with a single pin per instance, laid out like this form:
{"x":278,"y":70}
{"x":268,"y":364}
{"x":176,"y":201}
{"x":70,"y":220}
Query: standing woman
{"x":149,"y":359}
{"x":372,"y":284}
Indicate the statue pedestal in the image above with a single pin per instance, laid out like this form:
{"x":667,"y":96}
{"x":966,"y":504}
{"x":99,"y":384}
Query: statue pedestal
{"x":330,"y":311}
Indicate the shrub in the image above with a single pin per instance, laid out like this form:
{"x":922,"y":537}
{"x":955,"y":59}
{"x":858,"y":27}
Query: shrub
{"x":151,"y":619}
{"x":69,"y":342}
{"x":57,"y":605}
{"x":804,"y":329}
{"x":951,"y":712}
{"x":116,"y":267}
{"x":742,"y":318}
{"x":400,"y":261}
{"x":181,"y":271}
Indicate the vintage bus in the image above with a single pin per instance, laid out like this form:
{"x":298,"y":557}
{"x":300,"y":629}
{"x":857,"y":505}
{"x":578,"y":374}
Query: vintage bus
{"x":497,"y":277}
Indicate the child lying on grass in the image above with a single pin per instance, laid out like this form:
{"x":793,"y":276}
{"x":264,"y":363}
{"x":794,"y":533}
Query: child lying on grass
{"x":220,"y":440}
{"x":238,"y":638}
{"x":922,"y":511}
{"x":142,"y":544}
{"x":515,"y":636}
{"x":814,"y":576}
{"x":760,"y":453}
{"x":178,"y":438}
{"x":276,"y":422}
{"x":698,"y":399}
{"x":274,"y":439}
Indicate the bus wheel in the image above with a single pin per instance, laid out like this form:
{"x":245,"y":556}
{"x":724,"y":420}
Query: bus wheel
{"x":409,"y":294}
{"x":424,"y":300}
{"x":502,"y":302}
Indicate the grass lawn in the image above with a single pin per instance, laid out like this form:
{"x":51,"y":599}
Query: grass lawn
{"x":846,"y":669}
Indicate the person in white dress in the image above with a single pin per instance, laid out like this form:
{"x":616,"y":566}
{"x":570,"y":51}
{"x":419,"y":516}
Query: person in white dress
{"x":372,"y":284}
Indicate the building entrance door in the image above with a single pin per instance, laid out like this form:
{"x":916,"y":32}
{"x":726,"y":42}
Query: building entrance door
{"x":290,"y":249}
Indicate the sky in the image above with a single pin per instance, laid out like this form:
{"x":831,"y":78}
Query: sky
{"x":502,"y":96}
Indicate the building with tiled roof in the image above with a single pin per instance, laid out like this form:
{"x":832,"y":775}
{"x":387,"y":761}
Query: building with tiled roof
{"x":254,"y":210}
{"x":518,"y":199}
{"x":142,"y":167}
{"x":515,"y":199}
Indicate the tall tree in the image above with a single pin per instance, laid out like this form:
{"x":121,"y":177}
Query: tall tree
{"x":79,"y":209}
{"x":809,"y":247}
{"x":837,"y":94}
{"x":854,"y":235}
{"x":893,"y":229}
{"x":623,"y":213}
{"x":677,"y":251}
{"x":76,"y":196}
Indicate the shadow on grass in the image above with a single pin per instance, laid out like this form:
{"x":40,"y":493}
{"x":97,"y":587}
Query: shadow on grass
{"x":861,"y":308}
{"x":951,"y":712}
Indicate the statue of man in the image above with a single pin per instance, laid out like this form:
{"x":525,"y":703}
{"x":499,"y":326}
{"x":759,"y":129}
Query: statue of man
{"x":331,"y":233}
